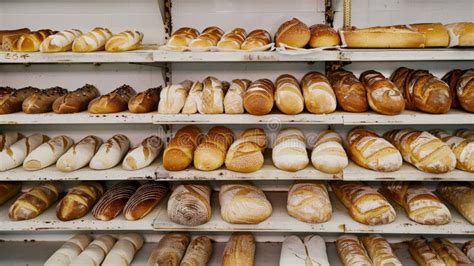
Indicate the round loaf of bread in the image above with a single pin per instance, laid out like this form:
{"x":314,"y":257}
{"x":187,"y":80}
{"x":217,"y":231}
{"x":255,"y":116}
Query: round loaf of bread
{"x":293,"y":33}
{"x":323,"y":35}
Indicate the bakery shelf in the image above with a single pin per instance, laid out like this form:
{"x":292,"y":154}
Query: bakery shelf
{"x":340,"y":222}
{"x":425,"y":54}
{"x":76,"y":118}
{"x":454,"y":117}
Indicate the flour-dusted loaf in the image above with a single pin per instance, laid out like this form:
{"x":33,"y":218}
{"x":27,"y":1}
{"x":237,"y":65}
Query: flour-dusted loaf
{"x":124,"y":250}
{"x":14,"y":155}
{"x":114,"y":200}
{"x":60,"y":42}
{"x":211,"y":152}
{"x":319,"y":97}
{"x":198,"y":253}
{"x":383,"y":96}
{"x":289,"y":150}
{"x":461,"y":33}
{"x":370,"y":151}
{"x":256,"y":39}
{"x":144,"y":200}
{"x":288,"y":96}
{"x":95,"y":252}
{"x":449,"y":252}
{"x":113,"y":102}
{"x":212,"y":98}
{"x":296,"y":252}
{"x":246,"y":153}
{"x":350,"y":93}
{"x":69,"y":251}
{"x":124,"y":41}
{"x":145,"y":101}
{"x":234,"y":98}
{"x":42,"y":101}
{"x":460,"y":195}
{"x":309,"y":202}
{"x":11,"y":100}
{"x":423,"y":253}
{"x":293,"y":33}
{"x":182,"y":37}
{"x":79,"y":155}
{"x":34,"y":202}
{"x":75,"y":101}
{"x":232,"y":40}
{"x":380,"y":251}
{"x":193,"y":102}
{"x":420,"y":204}
{"x":8,"y":190}
{"x":323,"y":35}
{"x":208,"y":38}
{"x":259,"y":97}
{"x":30,"y":42}
{"x":468,"y":249}
{"x":110,"y":153}
{"x":462,"y":148}
{"x":364,"y":203}
{"x":170,"y":250}
{"x":328,"y":154}
{"x":92,"y":41}
{"x":399,"y":36}
{"x":144,"y":154}
{"x":173,"y":97}
{"x":351,"y":251}
{"x":8,"y":138}
{"x":179,"y":153}
{"x":239,"y":250}
{"x":47,"y":153}
{"x":79,"y":200}
{"x":190,"y":204}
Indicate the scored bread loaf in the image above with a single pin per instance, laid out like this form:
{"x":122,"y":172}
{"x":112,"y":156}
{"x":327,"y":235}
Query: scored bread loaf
{"x":245,"y":155}
{"x":190,"y":204}
{"x":113,"y":102}
{"x":145,"y":101}
{"x":209,"y":37}
{"x":170,"y":250}
{"x":423,"y":150}
{"x":461,"y":34}
{"x":198,"y":253}
{"x":8,"y":189}
{"x":351,"y":251}
{"x":16,"y":32}
{"x":420,"y":204}
{"x":465,"y":133}
{"x":144,"y":200}
{"x":69,"y":251}
{"x":370,"y":151}
{"x":95,"y":252}
{"x":114,"y":199}
{"x":256,"y":39}
{"x":462,"y":148}
{"x":423,"y":253}
{"x":239,"y":250}
{"x":92,"y":41}
{"x":193,"y":102}
{"x":461,"y":83}
{"x":293,"y":33}
{"x":234,"y":98}
{"x":8,"y":138}
{"x":211,"y":152}
{"x":449,"y":252}
{"x":124,"y":250}
{"x":173,"y":97}
{"x":383,"y":96}
{"x":289,"y":150}
{"x":182,"y":37}
{"x":350,"y":92}
{"x":233,"y":39}
{"x":212,"y":100}
{"x":328,"y":154}
{"x":34,"y":202}
{"x":75,"y":101}
{"x":79,"y":200}
{"x":468,"y":249}
{"x":79,"y":155}
{"x":452,"y":78}
{"x":364,"y":203}
{"x":319,"y":97}
{"x":124,"y":41}
{"x":311,"y":251}
{"x":380,"y":251}
{"x":42,"y":101}
{"x":110,"y":153}
{"x":47,"y":153}
{"x":461,"y":196}
{"x":60,"y":42}
{"x":14,"y":155}
{"x":309,"y":202}
{"x":144,"y":154}
{"x":323,"y":35}
{"x":179,"y":153}
{"x":11,"y":100}
{"x":30,"y":42}
{"x":259,"y":97}
{"x":436,"y":35}
{"x":399,"y":36}
{"x":288,"y":96}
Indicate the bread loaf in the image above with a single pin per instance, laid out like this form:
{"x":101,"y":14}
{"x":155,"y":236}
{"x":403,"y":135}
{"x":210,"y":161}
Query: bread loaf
{"x":198,"y":253}
{"x":110,"y":153}
{"x":309,"y":202}
{"x":452,"y":78}
{"x":319,"y":97}
{"x":211,"y":152}
{"x":449,"y":252}
{"x":79,"y":155}
{"x":115,"y":101}
{"x":328,"y":154}
{"x":468,"y":249}
{"x":179,"y":153}
{"x":399,"y":36}
{"x":351,"y":251}
{"x":182,"y":37}
{"x":124,"y":250}
{"x":256,"y":39}
{"x":423,"y":150}
{"x":170,"y":250}
{"x":380,"y":251}
{"x":461,"y":34}
{"x":144,"y":200}
{"x":34,"y":202}
{"x":422,"y":253}
{"x":436,"y":35}
{"x":239,"y":250}
{"x":350,"y":93}
{"x":462,"y":87}
{"x":190,"y":205}
{"x":193,"y":102}
{"x":92,"y":41}
{"x":233,"y":39}
{"x":124,"y":41}
{"x":69,"y":251}
{"x":14,"y":155}
{"x":95,"y":252}
{"x":79,"y":200}
{"x":42,"y":101}
{"x":144,"y":154}
{"x":209,"y":37}
{"x":114,"y":199}
{"x":288,"y":96}
{"x":234,"y":98}
{"x":172,"y":97}
{"x":30,"y":42}
{"x":293,"y":33}
{"x":462,"y":148}
{"x":60,"y":42}
{"x":6,"y":33}
{"x":364,"y":203}
{"x":47,"y":153}
{"x":295,"y":252}
{"x":245,"y":155}
{"x":420,"y":204}
{"x":11,"y":100}
{"x":370,"y":151}
{"x":461,"y":196}
{"x":8,"y":138}
{"x":383,"y":96}
{"x":465,"y":133}
{"x":75,"y":101}
{"x":289,"y":150}
{"x":145,"y":101}
{"x":8,"y":189}
{"x":258,"y":98}
{"x":6,"y":42}
{"x":212,"y":96}
{"x":323,"y":35}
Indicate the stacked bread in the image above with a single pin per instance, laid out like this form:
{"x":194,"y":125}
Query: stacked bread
{"x":69,"y":251}
{"x":124,"y":250}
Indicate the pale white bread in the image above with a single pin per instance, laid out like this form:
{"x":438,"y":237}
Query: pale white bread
{"x":316,"y":248}
{"x":312,"y":251}
{"x":212,"y":96}
{"x":190,"y":204}
{"x":351,"y":251}
{"x":198,"y":252}
{"x":288,"y":96}
{"x":92,"y":41}
{"x":234,"y":98}
{"x":243,"y":204}
{"x":468,"y":249}
{"x":462,"y":148}
{"x":318,"y":94}
{"x":328,"y":154}
{"x":239,"y":250}
{"x":436,"y":35}
{"x":380,"y":251}
{"x":47,"y":153}
{"x":68,"y":251}
{"x":14,"y":155}
{"x":449,"y":252}
{"x":461,"y":196}
{"x":60,"y":42}
{"x":465,"y":133}
{"x":124,"y":250}
{"x":110,"y":153}
{"x":423,"y":254}
{"x":461,"y":34}
{"x":8,"y":138}
{"x":193,"y":101}
{"x":289,"y":150}
{"x":95,"y":252}
{"x":144,"y":154}
{"x":124,"y":41}
{"x":173,"y":97}
{"x":309,"y":202}
{"x":79,"y":155}
{"x":399,"y":36}
{"x":170,"y":250}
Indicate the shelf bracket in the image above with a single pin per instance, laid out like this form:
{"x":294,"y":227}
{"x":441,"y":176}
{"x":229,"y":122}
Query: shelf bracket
{"x":347,"y":13}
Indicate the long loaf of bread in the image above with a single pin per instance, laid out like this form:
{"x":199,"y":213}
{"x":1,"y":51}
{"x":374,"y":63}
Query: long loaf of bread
{"x":47,"y":153}
{"x":114,"y":200}
{"x":79,"y":200}
{"x":461,"y":84}
{"x":145,"y":198}
{"x":462,"y":148}
{"x":14,"y":155}
{"x":193,"y":102}
{"x":115,"y":101}
{"x":79,"y":155}
{"x":350,"y":92}
{"x":460,"y":195}
{"x":380,"y":251}
{"x":8,"y":189}
{"x":468,"y":249}
{"x":30,"y":42}
{"x":190,"y":204}
{"x":60,"y":42}
{"x":173,"y":97}
{"x":351,"y":251}
{"x":95,"y":252}
{"x":198,"y":253}
{"x":328,"y":154}
{"x":259,"y":97}
{"x":179,"y":153}
{"x":182,"y":37}
{"x":246,"y":153}
{"x":170,"y":250}
{"x":212,"y":101}
{"x":42,"y":101}
{"x":11,"y":100}
{"x":69,"y":251}
{"x":144,"y":154}
{"x":124,"y":41}
{"x":211,"y":152}
{"x":239,"y":250}
{"x":110,"y":153}
{"x":209,"y":37}
{"x":288,"y":96}
{"x":449,"y":252}
{"x":234,"y":98}
{"x":318,"y":94}
{"x":383,"y":96}
{"x":8,"y":138}
{"x":423,"y":253}
{"x":233,"y":39}
{"x":32,"y":203}
{"x":75,"y":101}
{"x":309,"y":202}
{"x":124,"y":250}
{"x":145,"y":101}
{"x":92,"y":41}
{"x":256,"y":39}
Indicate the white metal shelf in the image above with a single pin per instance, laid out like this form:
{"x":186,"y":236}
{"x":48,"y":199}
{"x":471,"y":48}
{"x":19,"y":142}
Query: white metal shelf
{"x":76,"y":118}
{"x":453,"y":117}
{"x":425,"y":54}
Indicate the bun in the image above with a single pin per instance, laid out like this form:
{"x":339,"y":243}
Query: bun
{"x":288,"y":96}
{"x":92,"y":41}
{"x":380,"y":251}
{"x":190,"y":205}
{"x":436,"y":35}
{"x":350,"y":93}
{"x":199,"y":252}
{"x":42,"y":101}
{"x":383,"y":96}
{"x":47,"y":153}
{"x":79,"y":200}
{"x":75,"y":101}
{"x":110,"y":153}
{"x":351,"y":251}
{"x":113,"y":201}
{"x":79,"y":155}
{"x":115,"y":101}
{"x":208,"y":38}
{"x":124,"y":41}
{"x":462,"y":148}
{"x":123,"y":252}
{"x":312,"y":251}
{"x":14,"y":155}
{"x":145,"y":101}
{"x":11,"y":100}
{"x":212,"y":96}
{"x":449,"y":252}
{"x":233,"y":39}
{"x":8,"y":190}
{"x":461,"y":34}
{"x":95,"y":252}
{"x":422,"y":253}
{"x":293,"y":33}
{"x":179,"y":153}
{"x":170,"y":250}
{"x":144,"y":154}
{"x":323,"y":35}
{"x":144,"y":200}
{"x":309,"y":202}
{"x":382,"y":37}
{"x":258,"y":98}
{"x":34,"y":202}
{"x":245,"y":155}
{"x":60,"y":42}
{"x":256,"y":39}
{"x":173,"y":97}
{"x":328,"y":154}
{"x":234,"y":98}
{"x":30,"y":42}
{"x":211,"y":152}
{"x":182,"y":37}
{"x":239,"y":250}
{"x":289,"y":150}
{"x":69,"y":251}
{"x":460,"y":195}
{"x":8,"y":138}
{"x":319,"y":97}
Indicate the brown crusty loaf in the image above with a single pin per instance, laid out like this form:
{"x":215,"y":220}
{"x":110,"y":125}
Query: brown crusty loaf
{"x":210,"y":153}
{"x":461,"y":33}
{"x":436,"y":35}
{"x":208,"y":38}
{"x":449,"y":252}
{"x":399,"y":36}
{"x":318,"y":94}
{"x":182,"y":37}
{"x":170,"y":250}
{"x":293,"y":33}
{"x":323,"y":35}
{"x":190,"y":204}
{"x":233,"y":39}
{"x":198,"y":253}
{"x":462,"y":148}
{"x":256,"y":39}
{"x":30,"y":42}
{"x":11,"y":100}
{"x":259,"y":97}
{"x":8,"y":189}
{"x":239,"y":250}
{"x":245,"y":155}
{"x":144,"y":200}
{"x":461,"y":83}
{"x":79,"y":200}
{"x":4,"y":33}
{"x":288,"y":96}
{"x":380,"y":251}
{"x":383,"y":96}
{"x":451,"y":78}
{"x":42,"y":101}
{"x":145,"y":101}
{"x":350,"y":92}
{"x":351,"y":251}
{"x":75,"y":101}
{"x":423,"y":253}
{"x":124,"y":41}
{"x":113,"y":201}
{"x":113,"y":102}
{"x":460,"y":195}
{"x":179,"y":153}
{"x":465,"y":133}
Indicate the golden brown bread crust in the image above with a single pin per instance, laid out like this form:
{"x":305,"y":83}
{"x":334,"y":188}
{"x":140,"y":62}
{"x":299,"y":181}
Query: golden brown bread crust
{"x":124,"y":41}
{"x":198,"y":253}
{"x":259,"y":97}
{"x":465,"y":90}
{"x":461,"y":33}
{"x":30,"y":42}
{"x":210,"y":153}
{"x":383,"y":96}
{"x":92,"y":41}
{"x":256,"y":39}
{"x":190,"y":204}
{"x":245,"y":154}
{"x":8,"y":189}
{"x":42,"y":101}
{"x":179,"y":153}
{"x":293,"y":33}
{"x":460,"y":195}
{"x":113,"y":201}
{"x":323,"y":35}
{"x":11,"y":100}
{"x":288,"y":96}
{"x":422,"y":252}
{"x":449,"y":252}
{"x":144,"y":200}
{"x":233,"y":39}
{"x":239,"y":250}
{"x":351,"y":251}
{"x":380,"y":251}
{"x":113,"y":102}
{"x":209,"y":37}
{"x":451,"y":78}
{"x":75,"y":101}
{"x":145,"y":101}
{"x":170,"y":250}
{"x":436,"y":35}
{"x":4,"y":33}
{"x":382,"y":37}
{"x":350,"y":92}
{"x":79,"y":200}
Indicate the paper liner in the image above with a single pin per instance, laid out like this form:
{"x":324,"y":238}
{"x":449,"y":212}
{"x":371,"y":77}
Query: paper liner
{"x":289,"y":50}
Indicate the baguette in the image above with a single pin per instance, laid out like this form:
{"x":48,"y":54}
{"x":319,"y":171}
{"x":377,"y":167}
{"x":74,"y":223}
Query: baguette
{"x":239,"y":250}
{"x":311,"y":251}
{"x":234,"y":98}
{"x":144,"y":200}
{"x":75,"y":101}
{"x":423,"y":254}
{"x":198,"y":253}
{"x":461,"y":196}
{"x":288,"y":96}
{"x":30,"y":42}
{"x":11,"y":100}
{"x":145,"y":101}
{"x":14,"y":155}
{"x":8,"y":138}
{"x":399,"y":36}
{"x":449,"y":252}
{"x":190,"y":205}
{"x":350,"y":93}
{"x":110,"y":153}
{"x":170,"y":250}
{"x":293,"y":33}
{"x":115,"y":101}
{"x":211,"y":152}
{"x":179,"y":153}
{"x":124,"y":250}
{"x":113,"y":201}
{"x":289,"y":150}
{"x":461,"y":34}
{"x":79,"y":200}
{"x":68,"y":251}
{"x":462,"y":148}
{"x":233,"y":39}
{"x":47,"y":153}
{"x":436,"y":35}
{"x":144,"y":154}
{"x":8,"y":190}
{"x":182,"y":37}
{"x":42,"y":101}
{"x":351,"y":251}
{"x":309,"y":202}
{"x":258,"y":98}
{"x":245,"y":155}
{"x":323,"y":35}
{"x":95,"y":252}
{"x":256,"y":39}
{"x":380,"y":251}
{"x":79,"y":155}
{"x":318,"y":94}
{"x":92,"y":41}
{"x":60,"y":42}
{"x":124,"y":41}
{"x":383,"y":96}
{"x":173,"y":97}
{"x":34,"y":202}
{"x":328,"y":154}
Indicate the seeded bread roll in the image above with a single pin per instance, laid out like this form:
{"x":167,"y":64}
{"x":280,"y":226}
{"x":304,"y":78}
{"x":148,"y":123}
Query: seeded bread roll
{"x":293,"y":33}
